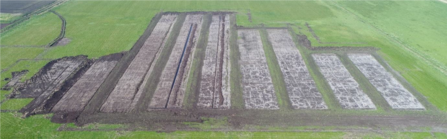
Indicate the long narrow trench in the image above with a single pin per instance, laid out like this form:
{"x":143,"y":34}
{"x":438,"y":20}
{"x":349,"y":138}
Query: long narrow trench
{"x":222,"y":52}
{"x":179,"y":66}
{"x":216,"y":71}
{"x":219,"y":65}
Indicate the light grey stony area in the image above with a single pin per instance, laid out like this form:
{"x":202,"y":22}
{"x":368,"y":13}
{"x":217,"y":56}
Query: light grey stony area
{"x":83,"y":90}
{"x":257,"y":85}
{"x":170,"y":93}
{"x":394,"y":93}
{"x":343,"y":85}
{"x":214,"y":83}
{"x":300,"y":86}
{"x":124,"y":93}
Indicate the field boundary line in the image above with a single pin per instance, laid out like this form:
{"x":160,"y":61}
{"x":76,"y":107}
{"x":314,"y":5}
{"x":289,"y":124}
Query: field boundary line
{"x":237,"y":100}
{"x":321,"y":42}
{"x":62,"y":32}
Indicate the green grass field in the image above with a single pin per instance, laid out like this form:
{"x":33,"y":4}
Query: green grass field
{"x":40,"y":127}
{"x":38,"y":31}
{"x":97,"y":28}
{"x":8,"y":17}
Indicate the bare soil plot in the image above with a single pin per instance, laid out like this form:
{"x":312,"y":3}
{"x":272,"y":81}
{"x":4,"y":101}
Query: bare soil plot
{"x":16,"y":76}
{"x":394,"y":93}
{"x":257,"y":85}
{"x":125,"y":92}
{"x":50,"y":83}
{"x":301,"y":88}
{"x":82,"y":91}
{"x":214,"y":83}
{"x":222,"y":99}
{"x":51,"y":75}
{"x":344,"y":86}
{"x":171,"y":88}
{"x":63,"y":42}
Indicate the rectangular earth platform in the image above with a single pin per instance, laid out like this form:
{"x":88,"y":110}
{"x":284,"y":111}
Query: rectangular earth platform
{"x":257,"y":85}
{"x":53,"y":74}
{"x":215,"y":79}
{"x":344,"y":86}
{"x":83,"y":90}
{"x":50,"y":80}
{"x":171,"y":88}
{"x":124,"y":95}
{"x":394,"y":93}
{"x":303,"y":92}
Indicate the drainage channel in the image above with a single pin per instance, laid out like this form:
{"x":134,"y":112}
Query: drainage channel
{"x":219,"y":65}
{"x":179,"y":63}
{"x":222,"y":51}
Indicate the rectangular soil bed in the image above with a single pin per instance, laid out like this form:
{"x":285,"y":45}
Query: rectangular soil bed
{"x":214,"y":83}
{"x":344,"y":86}
{"x":171,"y":88}
{"x":50,"y":82}
{"x":83,"y":90}
{"x":303,"y":92}
{"x":258,"y":89}
{"x":394,"y":93}
{"x":124,"y":95}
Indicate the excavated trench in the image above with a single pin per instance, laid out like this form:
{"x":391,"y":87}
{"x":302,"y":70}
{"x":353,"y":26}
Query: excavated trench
{"x":181,"y":65}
